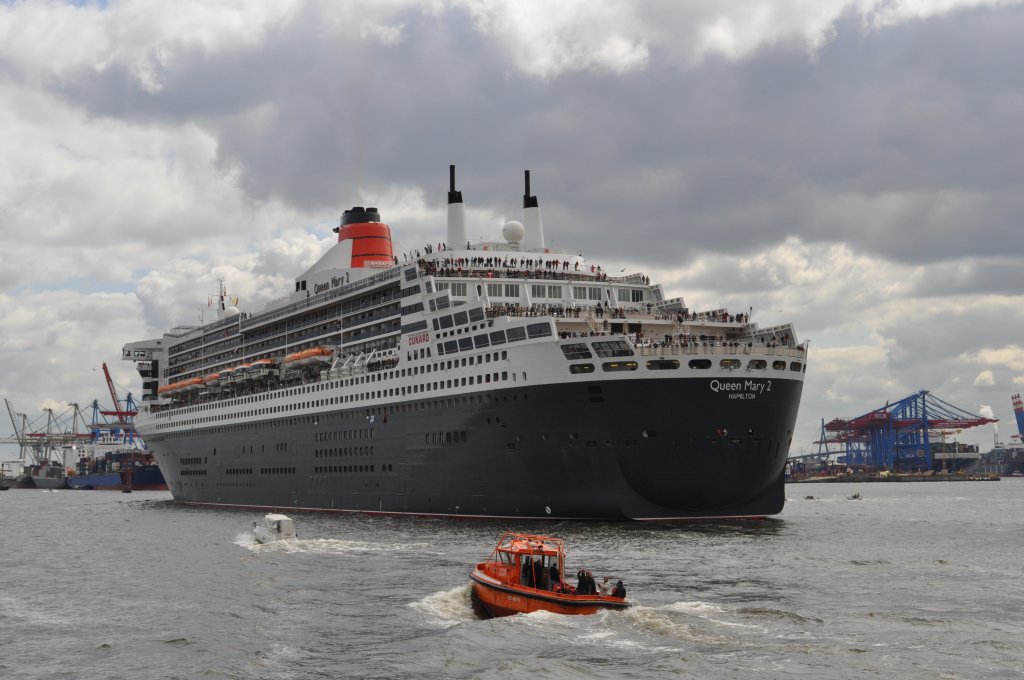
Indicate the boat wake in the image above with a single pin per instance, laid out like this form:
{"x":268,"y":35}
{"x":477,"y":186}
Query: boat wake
{"x":447,"y":608}
{"x":329,"y":546}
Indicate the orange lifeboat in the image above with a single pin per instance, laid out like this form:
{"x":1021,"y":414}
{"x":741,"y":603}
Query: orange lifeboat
{"x":172,"y":389}
{"x":212,"y":380}
{"x":526,"y":573}
{"x":307,"y":357}
{"x":192,"y":384}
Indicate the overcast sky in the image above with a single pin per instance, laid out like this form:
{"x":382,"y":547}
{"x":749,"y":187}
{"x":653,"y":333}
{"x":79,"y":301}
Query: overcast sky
{"x":853,"y":166}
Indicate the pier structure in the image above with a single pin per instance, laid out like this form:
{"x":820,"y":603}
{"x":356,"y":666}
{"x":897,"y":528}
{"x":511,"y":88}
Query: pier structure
{"x":45,"y":440}
{"x":904,"y":436}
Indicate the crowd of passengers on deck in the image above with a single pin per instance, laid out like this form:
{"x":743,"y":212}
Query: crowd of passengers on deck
{"x":455,"y":269}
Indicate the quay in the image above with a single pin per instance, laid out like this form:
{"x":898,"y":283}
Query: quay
{"x":883,"y":477}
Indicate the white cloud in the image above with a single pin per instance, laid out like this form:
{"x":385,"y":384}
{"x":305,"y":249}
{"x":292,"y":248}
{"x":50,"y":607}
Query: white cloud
{"x":1009,"y":356}
{"x":984,"y":379}
{"x":52,"y":339}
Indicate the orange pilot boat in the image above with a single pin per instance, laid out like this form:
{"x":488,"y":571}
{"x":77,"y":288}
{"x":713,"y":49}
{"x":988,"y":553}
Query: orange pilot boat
{"x":526,"y":573}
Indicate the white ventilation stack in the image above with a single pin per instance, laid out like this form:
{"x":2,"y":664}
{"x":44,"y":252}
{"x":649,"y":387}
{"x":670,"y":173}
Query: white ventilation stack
{"x":534,"y":237}
{"x":456,"y":214}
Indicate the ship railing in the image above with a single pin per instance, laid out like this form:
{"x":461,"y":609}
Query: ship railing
{"x":496,"y":273}
{"x":720,"y":350}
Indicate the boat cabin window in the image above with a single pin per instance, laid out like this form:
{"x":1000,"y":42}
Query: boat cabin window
{"x":506,"y":558}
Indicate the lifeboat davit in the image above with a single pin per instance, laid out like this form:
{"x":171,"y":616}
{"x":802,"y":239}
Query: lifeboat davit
{"x":261,"y":368}
{"x":526,"y":573}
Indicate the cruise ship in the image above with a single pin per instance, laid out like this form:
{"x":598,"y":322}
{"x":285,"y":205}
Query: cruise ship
{"x":489,"y":378}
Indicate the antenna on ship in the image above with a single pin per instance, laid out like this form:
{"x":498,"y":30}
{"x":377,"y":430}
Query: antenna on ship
{"x":534,"y":236}
{"x":456,"y":213}
{"x":223,"y":310}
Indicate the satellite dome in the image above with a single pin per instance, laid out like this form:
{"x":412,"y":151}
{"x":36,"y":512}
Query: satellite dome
{"x":513,"y":231}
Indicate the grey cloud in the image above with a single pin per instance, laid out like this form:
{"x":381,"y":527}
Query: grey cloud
{"x":896,"y":140}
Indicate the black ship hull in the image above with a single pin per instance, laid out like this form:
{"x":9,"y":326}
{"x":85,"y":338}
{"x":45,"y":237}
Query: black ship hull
{"x":607,"y":450}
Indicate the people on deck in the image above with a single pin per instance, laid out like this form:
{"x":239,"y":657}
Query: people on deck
{"x":585,"y":584}
{"x":619,"y":591}
{"x":605,"y":587}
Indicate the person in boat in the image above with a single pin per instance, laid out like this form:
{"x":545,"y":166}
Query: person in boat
{"x":619,"y":591}
{"x":538,"y":573}
{"x":553,"y":576}
{"x":605,"y":587}
{"x":528,"y":571}
{"x":585,"y":584}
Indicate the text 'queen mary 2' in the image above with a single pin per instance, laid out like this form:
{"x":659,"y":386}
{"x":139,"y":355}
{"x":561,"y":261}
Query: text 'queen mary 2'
{"x":488,"y":379}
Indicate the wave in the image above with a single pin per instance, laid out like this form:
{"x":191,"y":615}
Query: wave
{"x":329,"y":546}
{"x":447,"y":608}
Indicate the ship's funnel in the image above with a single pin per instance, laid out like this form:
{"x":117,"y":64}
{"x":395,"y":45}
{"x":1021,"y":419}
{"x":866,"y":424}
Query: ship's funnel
{"x":456,"y":213}
{"x":370,"y":238}
{"x":534,"y":237}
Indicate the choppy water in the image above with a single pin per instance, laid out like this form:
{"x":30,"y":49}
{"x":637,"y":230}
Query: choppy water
{"x":915,"y":581}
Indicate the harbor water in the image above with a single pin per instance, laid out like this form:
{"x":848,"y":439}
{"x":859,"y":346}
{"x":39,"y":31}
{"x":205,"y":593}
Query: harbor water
{"x":913,"y":581}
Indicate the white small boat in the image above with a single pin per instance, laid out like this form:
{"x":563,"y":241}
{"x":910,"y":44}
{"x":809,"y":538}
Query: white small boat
{"x":854,"y":497}
{"x":275,"y":528}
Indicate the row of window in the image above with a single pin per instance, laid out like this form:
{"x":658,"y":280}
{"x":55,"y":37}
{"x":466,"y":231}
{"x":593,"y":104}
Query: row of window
{"x":343,"y":452}
{"x":453,"y":437}
{"x":555,"y":292}
{"x":334,"y":469}
{"x":604,"y":349}
{"x":494,"y":338}
{"x":343,"y":435}
{"x":539,"y":290}
{"x":460,"y":318}
{"x":455,"y":288}
{"x":673,"y":364}
{"x":277,"y":471}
